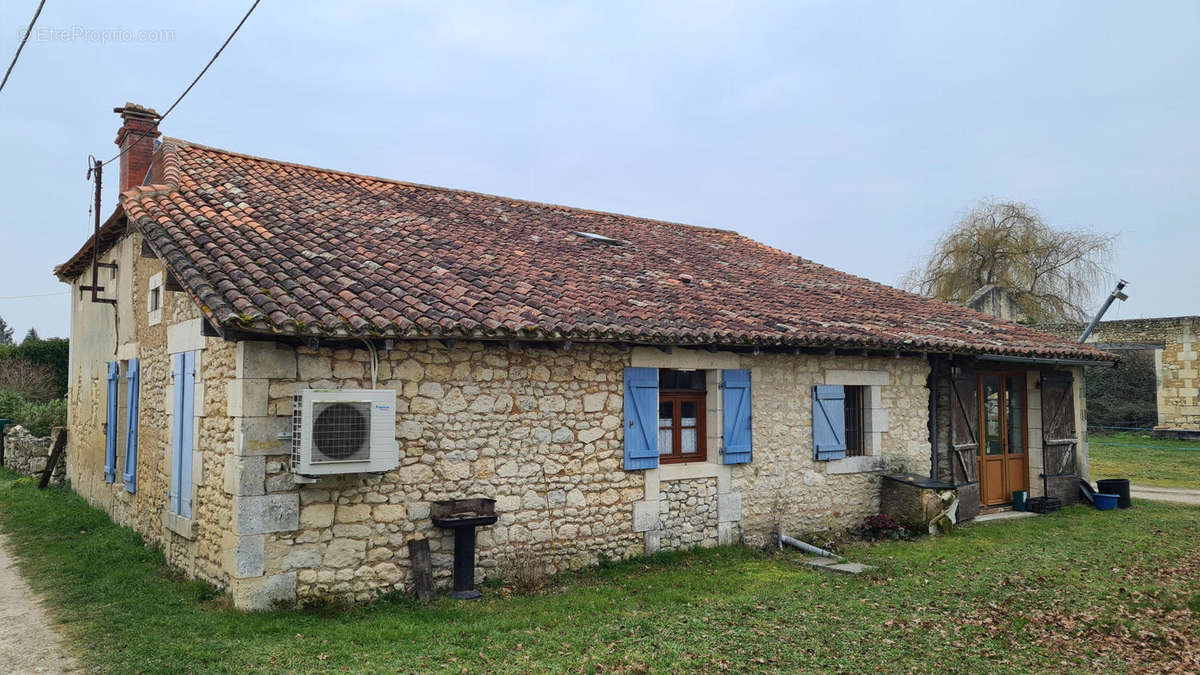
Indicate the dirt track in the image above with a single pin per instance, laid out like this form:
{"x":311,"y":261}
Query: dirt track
{"x":28,"y":644}
{"x":1158,"y":494}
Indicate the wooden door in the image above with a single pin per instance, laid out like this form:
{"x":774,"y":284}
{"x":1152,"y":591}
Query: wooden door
{"x":964,"y":440}
{"x":1059,"y":439}
{"x":1003,"y":434}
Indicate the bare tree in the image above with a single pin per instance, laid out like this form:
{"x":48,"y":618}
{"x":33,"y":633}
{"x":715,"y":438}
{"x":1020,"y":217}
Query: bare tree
{"x":33,"y":381}
{"x":1051,"y":273}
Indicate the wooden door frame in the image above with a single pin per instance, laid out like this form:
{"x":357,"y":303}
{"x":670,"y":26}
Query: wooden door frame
{"x":981,"y":450}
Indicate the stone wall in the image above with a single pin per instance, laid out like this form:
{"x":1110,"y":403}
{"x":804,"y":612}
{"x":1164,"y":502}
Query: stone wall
{"x":540,"y":431}
{"x":28,"y":455}
{"x":1177,"y":361}
{"x":101,"y":333}
{"x":689,"y":513}
{"x":785,"y":485}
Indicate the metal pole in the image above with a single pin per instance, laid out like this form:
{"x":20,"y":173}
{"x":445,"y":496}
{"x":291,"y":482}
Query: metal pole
{"x":1115,"y":295}
{"x":96,"y":170}
{"x":934,"y":376}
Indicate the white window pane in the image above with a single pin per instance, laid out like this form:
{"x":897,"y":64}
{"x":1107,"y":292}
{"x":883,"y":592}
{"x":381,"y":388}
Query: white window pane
{"x":664,"y":439}
{"x":687,"y":440}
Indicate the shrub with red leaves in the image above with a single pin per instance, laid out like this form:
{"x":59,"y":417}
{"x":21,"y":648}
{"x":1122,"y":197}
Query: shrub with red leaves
{"x":881,"y":526}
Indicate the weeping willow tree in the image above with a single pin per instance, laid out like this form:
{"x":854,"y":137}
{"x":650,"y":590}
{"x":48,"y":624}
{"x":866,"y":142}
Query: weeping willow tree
{"x":1052,"y":274}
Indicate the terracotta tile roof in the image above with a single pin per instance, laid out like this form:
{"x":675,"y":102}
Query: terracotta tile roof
{"x":279,"y":248}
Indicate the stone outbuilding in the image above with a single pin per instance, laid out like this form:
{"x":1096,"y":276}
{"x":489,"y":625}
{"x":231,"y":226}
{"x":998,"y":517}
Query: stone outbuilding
{"x":276,"y":370}
{"x":1173,"y":342}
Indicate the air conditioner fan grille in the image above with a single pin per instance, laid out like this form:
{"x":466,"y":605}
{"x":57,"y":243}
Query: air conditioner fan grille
{"x":340,"y":431}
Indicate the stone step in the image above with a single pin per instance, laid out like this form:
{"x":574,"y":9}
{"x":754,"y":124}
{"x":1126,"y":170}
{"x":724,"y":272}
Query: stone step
{"x":836,"y":566}
{"x":1002,"y":515}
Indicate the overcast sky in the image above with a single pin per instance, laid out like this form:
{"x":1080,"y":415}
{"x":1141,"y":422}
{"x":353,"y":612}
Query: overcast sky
{"x":848,"y":133}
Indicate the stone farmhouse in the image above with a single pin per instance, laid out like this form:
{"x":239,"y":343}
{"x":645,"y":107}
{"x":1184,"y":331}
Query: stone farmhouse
{"x":618,"y":385}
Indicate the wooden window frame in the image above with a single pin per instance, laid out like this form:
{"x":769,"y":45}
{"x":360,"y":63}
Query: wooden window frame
{"x":855,"y":420}
{"x":676,"y":397}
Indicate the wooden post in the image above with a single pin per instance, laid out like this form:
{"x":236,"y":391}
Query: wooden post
{"x":422,"y":569}
{"x":60,"y":444}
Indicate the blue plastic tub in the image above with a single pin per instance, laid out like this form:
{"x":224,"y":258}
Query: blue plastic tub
{"x":1105,"y":502}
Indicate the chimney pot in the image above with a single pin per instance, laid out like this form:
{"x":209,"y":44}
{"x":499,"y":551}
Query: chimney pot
{"x":135,"y":138}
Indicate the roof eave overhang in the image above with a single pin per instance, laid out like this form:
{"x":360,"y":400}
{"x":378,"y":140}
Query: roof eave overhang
{"x":1044,"y":360}
{"x":234,"y":330}
{"x":78,"y":264}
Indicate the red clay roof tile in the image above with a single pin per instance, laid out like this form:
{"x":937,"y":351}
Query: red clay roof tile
{"x":280,"y":248}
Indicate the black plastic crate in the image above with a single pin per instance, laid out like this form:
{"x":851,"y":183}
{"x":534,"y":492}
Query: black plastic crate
{"x":1044,"y":504}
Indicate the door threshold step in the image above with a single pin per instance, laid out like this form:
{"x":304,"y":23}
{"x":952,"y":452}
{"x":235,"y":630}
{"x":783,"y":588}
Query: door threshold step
{"x":1002,"y":515}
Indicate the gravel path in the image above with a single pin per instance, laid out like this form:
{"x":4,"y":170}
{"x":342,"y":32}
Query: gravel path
{"x":1159,"y":494}
{"x":27,"y":642}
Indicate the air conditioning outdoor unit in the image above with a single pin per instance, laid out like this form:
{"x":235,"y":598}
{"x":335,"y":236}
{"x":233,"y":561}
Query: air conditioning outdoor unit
{"x":344,"y":431}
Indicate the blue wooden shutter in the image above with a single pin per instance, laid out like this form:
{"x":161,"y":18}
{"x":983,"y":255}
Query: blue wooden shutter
{"x":176,"y":428}
{"x":829,"y":422}
{"x":110,"y":440}
{"x":131,"y":427}
{"x":641,"y":418}
{"x":735,"y":404}
{"x":187,"y":421}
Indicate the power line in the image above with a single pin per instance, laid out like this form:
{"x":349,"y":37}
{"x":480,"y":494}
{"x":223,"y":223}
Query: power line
{"x":22,"y":45}
{"x":189,"y":87}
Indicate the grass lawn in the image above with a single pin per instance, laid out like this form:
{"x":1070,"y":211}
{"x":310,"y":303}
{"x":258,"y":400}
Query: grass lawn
{"x":1144,"y":460}
{"x":1077,"y":589}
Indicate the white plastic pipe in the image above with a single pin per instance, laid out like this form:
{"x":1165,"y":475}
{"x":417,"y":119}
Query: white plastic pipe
{"x":808,"y":548}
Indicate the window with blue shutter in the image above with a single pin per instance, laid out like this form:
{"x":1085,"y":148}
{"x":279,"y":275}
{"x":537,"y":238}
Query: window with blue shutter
{"x":131,"y":427}
{"x":110,"y":432}
{"x":641,"y":418}
{"x":735,"y":404}
{"x":183,"y":373}
{"x":829,"y":422}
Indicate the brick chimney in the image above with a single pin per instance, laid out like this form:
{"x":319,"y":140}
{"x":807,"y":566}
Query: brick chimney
{"x":137,"y":133}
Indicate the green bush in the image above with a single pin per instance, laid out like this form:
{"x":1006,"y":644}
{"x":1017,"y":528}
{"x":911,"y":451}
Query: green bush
{"x":10,"y":403}
{"x":36,"y":416}
{"x":40,"y":418}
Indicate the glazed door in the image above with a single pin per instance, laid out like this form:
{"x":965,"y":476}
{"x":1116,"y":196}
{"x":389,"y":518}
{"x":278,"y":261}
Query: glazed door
{"x":1002,"y":452}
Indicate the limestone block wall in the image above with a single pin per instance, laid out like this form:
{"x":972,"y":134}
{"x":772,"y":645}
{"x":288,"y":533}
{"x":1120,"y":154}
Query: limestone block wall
{"x":1178,"y":373}
{"x":538,"y":430}
{"x":541,"y":432}
{"x":784,"y":484}
{"x":101,"y":333}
